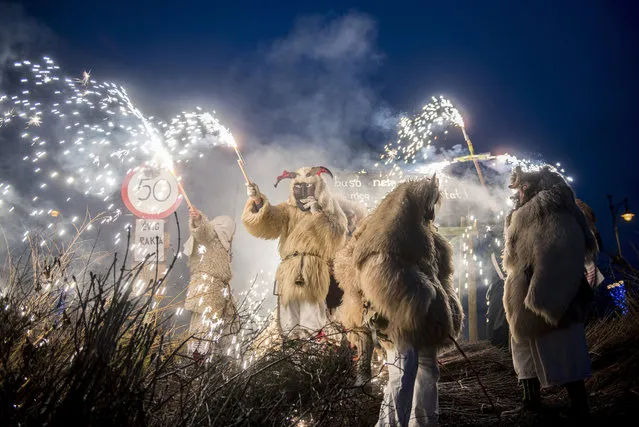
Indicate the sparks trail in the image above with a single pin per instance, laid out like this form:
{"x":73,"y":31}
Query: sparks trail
{"x":78,"y":138}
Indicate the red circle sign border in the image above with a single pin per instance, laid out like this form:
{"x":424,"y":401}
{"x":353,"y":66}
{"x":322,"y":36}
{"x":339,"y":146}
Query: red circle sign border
{"x":137,"y":213}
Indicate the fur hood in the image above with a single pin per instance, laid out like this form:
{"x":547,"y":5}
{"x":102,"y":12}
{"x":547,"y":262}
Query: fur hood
{"x":547,"y":243}
{"x":398,"y":263}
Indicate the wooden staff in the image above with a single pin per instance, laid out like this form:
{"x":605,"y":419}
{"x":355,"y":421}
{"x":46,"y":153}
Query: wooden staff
{"x":181,"y":188}
{"x":472,"y":154}
{"x":186,"y":198}
{"x":240,"y":163}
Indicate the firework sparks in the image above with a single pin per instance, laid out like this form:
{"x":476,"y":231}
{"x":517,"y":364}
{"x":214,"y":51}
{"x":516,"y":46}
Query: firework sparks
{"x":83,"y":136}
{"x":84,"y":81}
{"x":34,"y":121}
{"x":419,"y":132}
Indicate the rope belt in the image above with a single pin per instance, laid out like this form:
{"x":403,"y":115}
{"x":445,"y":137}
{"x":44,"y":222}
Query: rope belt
{"x":302,"y":254}
{"x":299,"y":280}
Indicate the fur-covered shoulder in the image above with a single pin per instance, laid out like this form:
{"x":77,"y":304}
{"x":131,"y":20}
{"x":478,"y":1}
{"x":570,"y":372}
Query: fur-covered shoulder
{"x":269,"y":222}
{"x":548,"y":242}
{"x":350,"y":207}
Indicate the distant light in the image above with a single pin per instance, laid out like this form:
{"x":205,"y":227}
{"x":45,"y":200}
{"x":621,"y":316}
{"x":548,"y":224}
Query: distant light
{"x":627,"y":216}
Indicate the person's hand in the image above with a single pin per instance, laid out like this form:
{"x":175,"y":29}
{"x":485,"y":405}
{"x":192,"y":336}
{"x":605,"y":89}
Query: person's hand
{"x":312,"y":204}
{"x":194,"y":213}
{"x":253,"y":191}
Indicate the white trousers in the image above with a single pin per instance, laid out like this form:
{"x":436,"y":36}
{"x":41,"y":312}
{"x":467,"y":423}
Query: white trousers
{"x":410,"y":398}
{"x":556,"y":358}
{"x":302,"y":319}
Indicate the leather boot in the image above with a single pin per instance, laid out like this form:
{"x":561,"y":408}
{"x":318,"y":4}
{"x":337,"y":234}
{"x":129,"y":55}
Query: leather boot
{"x":531,"y":401}
{"x":578,"y":396}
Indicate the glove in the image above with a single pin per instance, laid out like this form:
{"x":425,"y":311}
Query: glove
{"x":312,"y":204}
{"x":253,"y":191}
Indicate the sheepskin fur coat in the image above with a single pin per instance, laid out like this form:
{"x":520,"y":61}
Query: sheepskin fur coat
{"x":547,"y":243}
{"x":402,"y":269}
{"x":209,"y":252}
{"x":308,"y":240}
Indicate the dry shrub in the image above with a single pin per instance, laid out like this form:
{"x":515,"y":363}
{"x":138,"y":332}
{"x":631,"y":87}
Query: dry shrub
{"x":107,"y":356}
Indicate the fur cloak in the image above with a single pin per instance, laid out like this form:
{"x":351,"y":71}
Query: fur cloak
{"x":547,"y":243}
{"x":307,"y":241}
{"x":398,"y":263}
{"x":209,"y":251}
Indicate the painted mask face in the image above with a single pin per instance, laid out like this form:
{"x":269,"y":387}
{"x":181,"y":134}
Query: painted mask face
{"x":301,"y":191}
{"x":306,"y":182}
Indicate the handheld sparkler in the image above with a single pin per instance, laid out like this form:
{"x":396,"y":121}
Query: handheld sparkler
{"x":181,"y":188}
{"x":240,"y":163}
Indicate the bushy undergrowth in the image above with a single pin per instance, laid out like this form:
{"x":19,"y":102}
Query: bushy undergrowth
{"x":90,"y":349}
{"x":97,"y":349}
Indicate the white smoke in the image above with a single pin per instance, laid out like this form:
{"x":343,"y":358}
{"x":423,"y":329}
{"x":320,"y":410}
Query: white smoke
{"x":308,"y":101}
{"x":21,"y":35}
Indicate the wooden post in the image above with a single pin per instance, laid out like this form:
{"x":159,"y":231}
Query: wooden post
{"x":149,"y":271}
{"x":472,"y":287}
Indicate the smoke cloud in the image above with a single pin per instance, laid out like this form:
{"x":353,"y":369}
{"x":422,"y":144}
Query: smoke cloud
{"x":21,"y":35}
{"x":308,"y":100}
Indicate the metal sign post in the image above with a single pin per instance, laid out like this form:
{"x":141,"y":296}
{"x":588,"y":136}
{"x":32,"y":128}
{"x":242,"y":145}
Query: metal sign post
{"x":151,"y":195}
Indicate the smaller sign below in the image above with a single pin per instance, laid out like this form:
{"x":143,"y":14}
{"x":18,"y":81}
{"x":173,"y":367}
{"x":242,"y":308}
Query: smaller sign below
{"x":149,"y":239}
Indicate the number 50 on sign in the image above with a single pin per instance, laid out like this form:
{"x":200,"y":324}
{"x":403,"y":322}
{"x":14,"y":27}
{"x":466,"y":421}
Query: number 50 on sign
{"x":151,"y":193}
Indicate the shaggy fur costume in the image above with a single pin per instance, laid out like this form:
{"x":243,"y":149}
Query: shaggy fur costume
{"x":397,"y":262}
{"x":210,"y":264}
{"x":308,"y":240}
{"x":548,"y":240}
{"x":354,"y":211}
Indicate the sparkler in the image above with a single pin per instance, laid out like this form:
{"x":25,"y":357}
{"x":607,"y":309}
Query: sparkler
{"x":419,"y":132}
{"x":226,"y":137}
{"x":240,"y":163}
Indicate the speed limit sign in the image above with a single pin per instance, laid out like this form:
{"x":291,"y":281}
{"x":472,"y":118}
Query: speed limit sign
{"x":151,"y":193}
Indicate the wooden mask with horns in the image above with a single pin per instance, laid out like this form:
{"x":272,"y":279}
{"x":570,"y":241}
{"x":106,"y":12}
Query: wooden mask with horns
{"x":305,"y":182}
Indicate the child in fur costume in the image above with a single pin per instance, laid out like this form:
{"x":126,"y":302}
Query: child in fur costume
{"x":310,"y":227}
{"x":209,"y":296}
{"x":396,"y":272}
{"x":548,"y":241}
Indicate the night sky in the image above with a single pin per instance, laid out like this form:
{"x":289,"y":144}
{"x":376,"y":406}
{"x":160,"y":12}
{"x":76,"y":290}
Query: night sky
{"x":555,"y":78}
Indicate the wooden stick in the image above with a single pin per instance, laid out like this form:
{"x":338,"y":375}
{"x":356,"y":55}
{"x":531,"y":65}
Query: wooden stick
{"x":472,"y":368}
{"x":186,"y":198}
{"x":181,"y":187}
{"x":472,"y":154}
{"x":240,"y":163}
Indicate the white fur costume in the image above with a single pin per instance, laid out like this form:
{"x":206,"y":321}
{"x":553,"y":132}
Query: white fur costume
{"x":209,"y":296}
{"x":310,"y":228}
{"x":548,"y":241}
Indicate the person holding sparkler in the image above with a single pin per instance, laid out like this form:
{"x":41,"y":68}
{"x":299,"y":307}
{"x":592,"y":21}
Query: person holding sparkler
{"x":311,"y":226}
{"x":209,"y":296}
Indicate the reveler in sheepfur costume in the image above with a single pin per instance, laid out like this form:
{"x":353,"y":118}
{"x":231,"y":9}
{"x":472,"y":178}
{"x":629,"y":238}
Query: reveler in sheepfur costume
{"x":397,"y":276}
{"x":547,"y":243}
{"x":593,"y":275}
{"x":209,"y":296}
{"x":359,"y":337}
{"x":311,"y":227}
{"x":354,"y":212}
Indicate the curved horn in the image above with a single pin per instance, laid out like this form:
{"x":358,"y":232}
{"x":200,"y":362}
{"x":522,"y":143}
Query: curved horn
{"x":319,"y":170}
{"x":434,"y":181}
{"x":514,"y":178}
{"x":285,"y":175}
